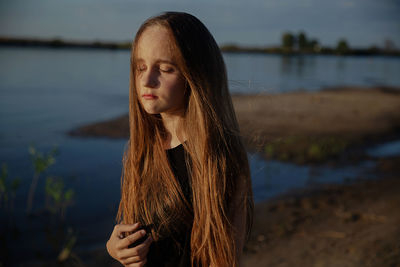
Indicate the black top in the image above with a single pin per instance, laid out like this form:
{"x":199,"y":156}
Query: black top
{"x":167,"y":252}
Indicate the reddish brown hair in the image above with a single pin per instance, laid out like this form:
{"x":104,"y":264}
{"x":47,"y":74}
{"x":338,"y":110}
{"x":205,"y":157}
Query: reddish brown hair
{"x":216,"y":158}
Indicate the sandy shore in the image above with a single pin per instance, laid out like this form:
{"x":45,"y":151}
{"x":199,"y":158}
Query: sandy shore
{"x":338,"y":225}
{"x":301,"y":127}
{"x":335,"y":225}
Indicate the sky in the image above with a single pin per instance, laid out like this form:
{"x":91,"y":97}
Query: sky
{"x":362,"y":23}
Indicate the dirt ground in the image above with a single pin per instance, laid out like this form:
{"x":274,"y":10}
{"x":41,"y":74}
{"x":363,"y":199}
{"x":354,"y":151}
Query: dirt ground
{"x":338,"y":111}
{"x":317,"y":127}
{"x":339,"y":225}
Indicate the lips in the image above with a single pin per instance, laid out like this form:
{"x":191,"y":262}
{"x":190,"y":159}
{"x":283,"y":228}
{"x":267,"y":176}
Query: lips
{"x":149,"y":96}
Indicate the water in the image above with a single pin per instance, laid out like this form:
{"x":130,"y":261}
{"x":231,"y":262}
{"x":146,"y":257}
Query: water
{"x":276,"y":74}
{"x":389,"y":149}
{"x":44,"y":93}
{"x":271,"y":178}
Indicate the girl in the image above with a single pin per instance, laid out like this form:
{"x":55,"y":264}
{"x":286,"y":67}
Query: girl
{"x":186,"y":190}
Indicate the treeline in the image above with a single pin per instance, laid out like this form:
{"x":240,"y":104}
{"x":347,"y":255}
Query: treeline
{"x":59,"y":43}
{"x":290,"y":44}
{"x":301,"y":44}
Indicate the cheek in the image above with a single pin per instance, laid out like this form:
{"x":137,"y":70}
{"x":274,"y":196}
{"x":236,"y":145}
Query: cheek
{"x":175,"y":88}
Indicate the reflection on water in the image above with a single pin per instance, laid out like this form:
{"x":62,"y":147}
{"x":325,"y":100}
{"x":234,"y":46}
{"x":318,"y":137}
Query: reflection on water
{"x":299,"y":65}
{"x":277,"y":74}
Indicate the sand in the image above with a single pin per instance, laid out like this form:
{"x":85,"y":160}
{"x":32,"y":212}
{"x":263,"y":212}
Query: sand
{"x":337,"y":225}
{"x":301,"y":127}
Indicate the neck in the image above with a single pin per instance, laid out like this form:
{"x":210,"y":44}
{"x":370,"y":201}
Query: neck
{"x":171,"y":124}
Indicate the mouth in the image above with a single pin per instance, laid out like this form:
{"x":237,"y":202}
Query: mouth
{"x":149,"y":96}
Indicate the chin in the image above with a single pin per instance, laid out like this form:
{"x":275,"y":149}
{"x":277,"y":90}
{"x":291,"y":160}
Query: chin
{"x":152,"y":111}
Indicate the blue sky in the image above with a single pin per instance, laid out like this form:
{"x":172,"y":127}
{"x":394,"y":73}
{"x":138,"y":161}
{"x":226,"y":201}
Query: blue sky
{"x":251,"y":22}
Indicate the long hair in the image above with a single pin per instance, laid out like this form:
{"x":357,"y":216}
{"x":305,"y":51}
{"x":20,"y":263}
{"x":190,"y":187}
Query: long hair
{"x":215,"y":156}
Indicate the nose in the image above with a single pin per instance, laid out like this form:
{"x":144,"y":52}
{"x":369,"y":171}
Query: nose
{"x":149,"y":78}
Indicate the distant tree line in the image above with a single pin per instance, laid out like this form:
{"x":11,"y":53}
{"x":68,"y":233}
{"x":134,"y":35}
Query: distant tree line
{"x":290,"y":44}
{"x":59,"y":43}
{"x":300,"y":43}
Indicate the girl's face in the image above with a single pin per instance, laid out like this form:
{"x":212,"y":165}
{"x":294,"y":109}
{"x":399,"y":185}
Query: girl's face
{"x":159,"y":83}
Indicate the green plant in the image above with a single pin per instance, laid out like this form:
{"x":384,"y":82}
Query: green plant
{"x":57,"y":199}
{"x":8,"y":189}
{"x":40,"y":163}
{"x":269,"y":150}
{"x":315,"y":152}
{"x":66,"y":251}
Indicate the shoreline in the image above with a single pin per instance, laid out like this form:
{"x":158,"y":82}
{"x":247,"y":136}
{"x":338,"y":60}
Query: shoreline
{"x":354,"y":224}
{"x":227,"y":48}
{"x":332,"y":125}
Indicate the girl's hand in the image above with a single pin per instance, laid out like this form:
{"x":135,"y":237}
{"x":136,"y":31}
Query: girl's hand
{"x":117,"y":245}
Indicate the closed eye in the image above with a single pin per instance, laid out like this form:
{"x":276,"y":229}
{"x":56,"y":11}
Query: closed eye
{"x":141,"y":68}
{"x":166,"y":68}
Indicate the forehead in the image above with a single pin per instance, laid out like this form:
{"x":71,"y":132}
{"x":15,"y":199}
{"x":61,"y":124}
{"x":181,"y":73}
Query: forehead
{"x":155,"y":43}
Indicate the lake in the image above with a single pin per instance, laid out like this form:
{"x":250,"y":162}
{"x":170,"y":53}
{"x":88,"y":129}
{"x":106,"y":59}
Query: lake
{"x":46,"y":92}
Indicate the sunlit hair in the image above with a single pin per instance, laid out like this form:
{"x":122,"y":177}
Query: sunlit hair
{"x":216,"y":158}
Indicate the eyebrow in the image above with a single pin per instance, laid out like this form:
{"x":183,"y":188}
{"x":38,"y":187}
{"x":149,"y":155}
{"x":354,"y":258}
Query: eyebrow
{"x":160,"y":61}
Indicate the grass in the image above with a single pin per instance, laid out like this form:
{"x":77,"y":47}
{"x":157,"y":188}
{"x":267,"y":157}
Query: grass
{"x":305,"y":149}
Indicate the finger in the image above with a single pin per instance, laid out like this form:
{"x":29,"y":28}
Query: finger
{"x":119,"y":229}
{"x":137,"y":264}
{"x":131,"y":260}
{"x":131,"y":238}
{"x":139,"y":250}
{"x":144,"y":246}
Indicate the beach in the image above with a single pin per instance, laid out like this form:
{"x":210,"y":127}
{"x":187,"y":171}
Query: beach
{"x":354,"y":224}
{"x":335,"y":225}
{"x":301,"y":127}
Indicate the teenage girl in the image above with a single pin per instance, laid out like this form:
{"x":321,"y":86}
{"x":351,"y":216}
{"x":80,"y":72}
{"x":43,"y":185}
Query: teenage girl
{"x":186,"y":189}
